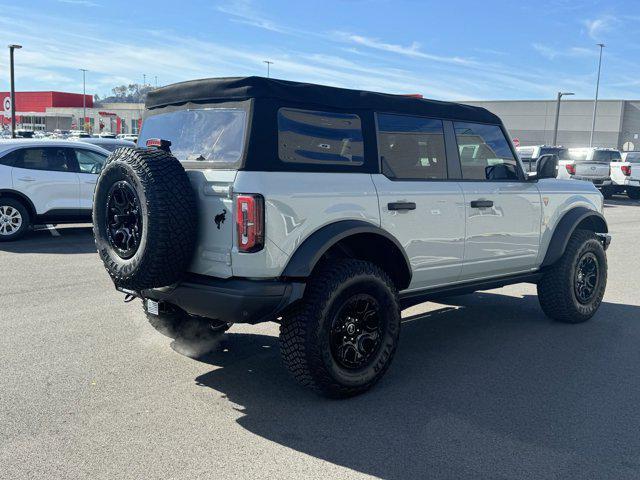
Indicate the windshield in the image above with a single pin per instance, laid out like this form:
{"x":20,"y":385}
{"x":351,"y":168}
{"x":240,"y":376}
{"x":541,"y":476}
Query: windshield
{"x":214,"y":136}
{"x":575,"y":155}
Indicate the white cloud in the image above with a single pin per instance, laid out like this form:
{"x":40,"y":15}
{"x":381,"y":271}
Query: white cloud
{"x":597,"y":27}
{"x":552,"y":53}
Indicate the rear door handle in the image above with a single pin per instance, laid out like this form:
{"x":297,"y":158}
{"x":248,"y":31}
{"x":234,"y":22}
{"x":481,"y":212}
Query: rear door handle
{"x":481,"y":203}
{"x":27,"y":179}
{"x":401,"y":206}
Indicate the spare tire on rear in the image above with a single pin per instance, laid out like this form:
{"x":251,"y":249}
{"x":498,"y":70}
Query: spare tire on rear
{"x":144,"y":218}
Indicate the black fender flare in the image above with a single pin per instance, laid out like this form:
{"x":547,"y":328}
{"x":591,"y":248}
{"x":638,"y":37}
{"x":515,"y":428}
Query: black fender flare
{"x":310,"y":251}
{"x":7,"y":192}
{"x":565,"y":228}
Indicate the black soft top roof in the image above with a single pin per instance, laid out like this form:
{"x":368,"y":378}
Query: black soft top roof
{"x":244,"y":88}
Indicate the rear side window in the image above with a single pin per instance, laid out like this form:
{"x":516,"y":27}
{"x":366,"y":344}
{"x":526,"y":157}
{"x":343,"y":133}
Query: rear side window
{"x":485,"y":153}
{"x":328,"y":138}
{"x":411,"y":148}
{"x":9,"y":159}
{"x":90,"y":162}
{"x":49,"y":158}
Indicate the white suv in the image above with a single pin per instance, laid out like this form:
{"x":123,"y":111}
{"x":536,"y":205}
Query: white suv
{"x":46,"y":181}
{"x":328,"y":210}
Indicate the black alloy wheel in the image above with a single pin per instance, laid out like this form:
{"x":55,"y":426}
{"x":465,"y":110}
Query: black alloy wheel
{"x":586,"y":278}
{"x":356,"y":332}
{"x":124,"y":219}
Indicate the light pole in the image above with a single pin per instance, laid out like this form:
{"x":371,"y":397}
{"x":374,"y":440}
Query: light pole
{"x":84,"y":98}
{"x":268,"y":65}
{"x":13,"y":89}
{"x":144,"y":79}
{"x":156,"y":81}
{"x":595,"y":102}
{"x":555,"y":128}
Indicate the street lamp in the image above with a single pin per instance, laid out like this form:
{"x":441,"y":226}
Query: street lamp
{"x":555,"y":128}
{"x":595,"y":102}
{"x":13,"y":89}
{"x":84,"y":98}
{"x":268,"y":65}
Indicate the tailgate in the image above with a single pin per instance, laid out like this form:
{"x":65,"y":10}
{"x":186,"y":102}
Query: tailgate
{"x":215,"y":221}
{"x":592,"y":169}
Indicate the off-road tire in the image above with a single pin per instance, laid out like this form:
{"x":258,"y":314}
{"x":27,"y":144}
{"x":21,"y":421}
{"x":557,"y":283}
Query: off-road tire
{"x":556,"y":291}
{"x":305,"y":332}
{"x":633,"y":193}
{"x":24,"y":214}
{"x":168,"y":212}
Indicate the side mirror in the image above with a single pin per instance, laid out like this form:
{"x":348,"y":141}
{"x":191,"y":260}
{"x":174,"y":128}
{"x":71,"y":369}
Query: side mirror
{"x":547,"y":166}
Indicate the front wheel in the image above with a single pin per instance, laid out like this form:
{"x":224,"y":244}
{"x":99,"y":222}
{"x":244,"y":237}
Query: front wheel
{"x":572,"y":290}
{"x":342,"y":338}
{"x":14,"y":219}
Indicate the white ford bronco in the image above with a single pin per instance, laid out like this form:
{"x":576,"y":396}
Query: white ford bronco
{"x":329,"y":210}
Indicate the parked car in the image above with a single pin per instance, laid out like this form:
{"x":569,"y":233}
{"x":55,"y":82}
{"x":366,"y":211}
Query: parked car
{"x":625,"y":174}
{"x":328,"y":210}
{"x":106,"y":135}
{"x":132,"y":137}
{"x":46,"y":181}
{"x":591,"y":164}
{"x":109,"y":144}
{"x":529,"y":155}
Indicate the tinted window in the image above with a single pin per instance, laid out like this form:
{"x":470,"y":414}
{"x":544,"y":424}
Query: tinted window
{"x":615,"y":156}
{"x":306,"y":136}
{"x":485,"y":153}
{"x":212,"y":135}
{"x":48,"y":158}
{"x":9,"y":159}
{"x":90,"y":162}
{"x":601,"y":156}
{"x":633,"y":157}
{"x":411,"y":147}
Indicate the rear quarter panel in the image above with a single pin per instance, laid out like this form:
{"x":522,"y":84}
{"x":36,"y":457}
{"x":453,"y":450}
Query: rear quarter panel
{"x":296,"y":205}
{"x":560,"y":196}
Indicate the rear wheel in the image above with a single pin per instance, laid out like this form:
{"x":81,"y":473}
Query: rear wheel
{"x":572,"y":290}
{"x":342,"y":338}
{"x":14,"y":219}
{"x":633,"y":193}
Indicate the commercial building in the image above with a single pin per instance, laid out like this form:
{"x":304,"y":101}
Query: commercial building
{"x":49,"y":111}
{"x":531,"y":122}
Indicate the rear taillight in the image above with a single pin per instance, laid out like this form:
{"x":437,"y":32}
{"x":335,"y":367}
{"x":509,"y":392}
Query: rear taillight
{"x":250,"y":222}
{"x":626,"y":170}
{"x":571,"y":168}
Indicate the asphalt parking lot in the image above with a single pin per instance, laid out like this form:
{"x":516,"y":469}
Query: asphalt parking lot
{"x":483,"y":386}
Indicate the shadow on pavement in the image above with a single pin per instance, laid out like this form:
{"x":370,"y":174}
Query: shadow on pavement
{"x":76,"y":239}
{"x":621,"y":201}
{"x":487,"y":387}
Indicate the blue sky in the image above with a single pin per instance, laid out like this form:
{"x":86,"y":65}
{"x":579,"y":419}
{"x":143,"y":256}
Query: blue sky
{"x":452,"y":50}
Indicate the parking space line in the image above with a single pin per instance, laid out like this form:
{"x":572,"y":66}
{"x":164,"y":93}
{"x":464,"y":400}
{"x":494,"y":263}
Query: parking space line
{"x":52,"y":230}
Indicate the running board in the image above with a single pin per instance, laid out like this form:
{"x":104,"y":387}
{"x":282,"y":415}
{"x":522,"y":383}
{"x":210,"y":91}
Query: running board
{"x":409,"y":299}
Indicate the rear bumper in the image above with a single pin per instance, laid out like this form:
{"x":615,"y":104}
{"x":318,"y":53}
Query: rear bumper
{"x":233,"y":300}
{"x":598,"y":182}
